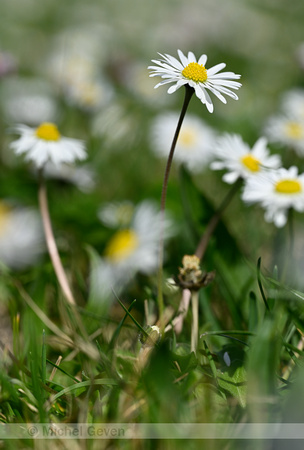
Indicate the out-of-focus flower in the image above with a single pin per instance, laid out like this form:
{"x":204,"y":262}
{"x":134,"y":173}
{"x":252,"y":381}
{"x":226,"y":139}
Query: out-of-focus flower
{"x":195,"y":141}
{"x":292,"y":102}
{"x":241,"y":161}
{"x":276,"y":191}
{"x":8,"y":64}
{"x":288,"y":130}
{"x":21,"y":236}
{"x":117,"y":214}
{"x":134,"y":77}
{"x":131,"y":249}
{"x":189,"y":71}
{"x":117,"y":126}
{"x":28,"y":101}
{"x":81,"y":176}
{"x":45,"y":143}
{"x":89,"y":94}
{"x":75,"y":66}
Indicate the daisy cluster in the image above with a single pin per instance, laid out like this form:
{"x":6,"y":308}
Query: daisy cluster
{"x":266,"y":182}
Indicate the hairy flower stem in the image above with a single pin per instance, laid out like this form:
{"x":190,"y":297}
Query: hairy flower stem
{"x":212,"y":224}
{"x":188,"y":94}
{"x":53,"y":252}
{"x":194,"y":328}
{"x":50,"y":241}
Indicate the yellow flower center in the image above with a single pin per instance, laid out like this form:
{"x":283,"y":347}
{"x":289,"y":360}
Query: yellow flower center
{"x":187,"y":137}
{"x":294,"y":130}
{"x":121,"y":245}
{"x":48,"y":132}
{"x":288,"y":187}
{"x":251,"y":163}
{"x":196,"y":72}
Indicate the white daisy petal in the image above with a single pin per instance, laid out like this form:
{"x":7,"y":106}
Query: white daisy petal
{"x":183,"y":58}
{"x":202,"y":60}
{"x":216,"y":69}
{"x":191,"y":57}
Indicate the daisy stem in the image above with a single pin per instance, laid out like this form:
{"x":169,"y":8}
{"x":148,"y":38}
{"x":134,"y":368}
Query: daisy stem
{"x":202,"y":246}
{"x":194,"y":329}
{"x":50,"y":241}
{"x":289,"y":254}
{"x":188,"y":94}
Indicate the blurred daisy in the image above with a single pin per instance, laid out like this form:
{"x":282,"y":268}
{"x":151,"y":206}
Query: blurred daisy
{"x":131,"y":249}
{"x":21,"y":236}
{"x":277,"y":191}
{"x":233,"y":154}
{"x":89,"y":94}
{"x":194,"y":144}
{"x":293,"y":103}
{"x":28,"y":100}
{"x":118,"y":117}
{"x":75,"y":66}
{"x":189,"y":71}
{"x":286,"y":130}
{"x":116,"y":214}
{"x":134,"y":77}
{"x":45,"y":143}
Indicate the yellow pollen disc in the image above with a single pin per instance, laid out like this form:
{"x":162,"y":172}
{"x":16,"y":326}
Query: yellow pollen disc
{"x":187,"y":137}
{"x":294,"y":130}
{"x":288,"y":187}
{"x":251,"y":163}
{"x":196,"y":72}
{"x":122,"y":245}
{"x":48,"y":132}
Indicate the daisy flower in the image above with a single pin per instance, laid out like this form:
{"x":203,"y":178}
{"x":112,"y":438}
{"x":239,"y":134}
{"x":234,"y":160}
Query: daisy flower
{"x":293,"y":102}
{"x":286,"y":129}
{"x":195,"y":141}
{"x":21,"y":236}
{"x":28,"y":100}
{"x":233,"y":154}
{"x":131,"y":249}
{"x":116,"y":214}
{"x":45,"y":143}
{"x":189,"y":71}
{"x":276,"y":191}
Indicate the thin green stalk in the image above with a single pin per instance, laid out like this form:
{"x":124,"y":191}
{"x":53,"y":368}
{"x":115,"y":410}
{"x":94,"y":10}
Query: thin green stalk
{"x":202,"y":246}
{"x":290,"y":245}
{"x":188,"y":94}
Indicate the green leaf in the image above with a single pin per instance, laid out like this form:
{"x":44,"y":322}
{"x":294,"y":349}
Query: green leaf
{"x":235,"y":384}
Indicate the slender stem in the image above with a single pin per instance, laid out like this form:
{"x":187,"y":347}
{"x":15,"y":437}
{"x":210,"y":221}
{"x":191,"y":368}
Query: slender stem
{"x":288,"y":255}
{"x":194,"y":329}
{"x":188,"y":94}
{"x":50,"y":241}
{"x":202,"y":246}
